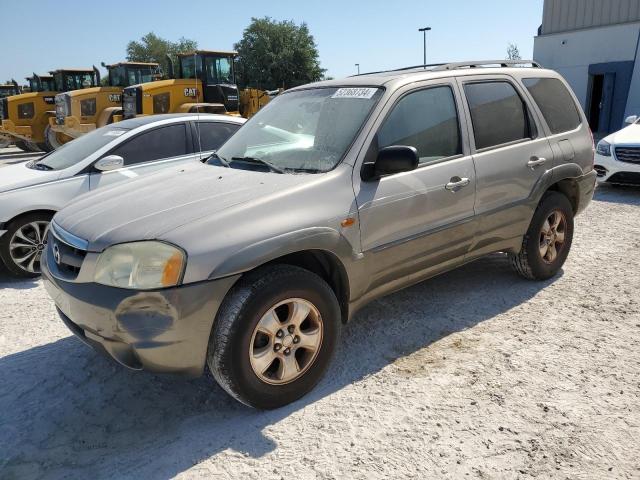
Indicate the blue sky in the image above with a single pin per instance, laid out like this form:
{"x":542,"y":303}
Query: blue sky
{"x":376,"y":34}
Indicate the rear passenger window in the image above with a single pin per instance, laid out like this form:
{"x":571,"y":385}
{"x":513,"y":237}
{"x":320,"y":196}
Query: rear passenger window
{"x":211,"y":135}
{"x":426,"y":120}
{"x":498,"y":114}
{"x":156,"y":144}
{"x":555,"y":102}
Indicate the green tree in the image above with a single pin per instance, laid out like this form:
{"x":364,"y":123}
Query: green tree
{"x":513,"y":52}
{"x":152,"y":48}
{"x":274,"y":54}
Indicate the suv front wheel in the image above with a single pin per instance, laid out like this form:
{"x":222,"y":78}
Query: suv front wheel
{"x":548,"y":240}
{"x":274,"y":336}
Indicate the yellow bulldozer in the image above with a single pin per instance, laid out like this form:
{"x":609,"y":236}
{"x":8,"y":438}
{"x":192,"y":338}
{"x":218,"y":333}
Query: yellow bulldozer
{"x":204,"y":82}
{"x":81,"y":111}
{"x":26,"y":116}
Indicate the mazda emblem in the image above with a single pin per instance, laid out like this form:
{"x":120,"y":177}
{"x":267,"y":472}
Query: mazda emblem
{"x":56,"y":253}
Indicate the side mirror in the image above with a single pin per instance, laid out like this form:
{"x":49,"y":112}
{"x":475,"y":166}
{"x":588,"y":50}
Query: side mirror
{"x":108,"y":163}
{"x":391,"y":160}
{"x":630,"y":120}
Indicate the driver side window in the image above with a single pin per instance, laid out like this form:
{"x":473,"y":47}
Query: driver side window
{"x":157,"y":144}
{"x":427,"y":120}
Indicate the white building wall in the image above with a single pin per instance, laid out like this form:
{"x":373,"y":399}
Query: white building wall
{"x":571,"y":53}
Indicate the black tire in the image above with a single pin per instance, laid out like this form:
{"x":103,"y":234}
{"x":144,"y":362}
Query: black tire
{"x":529,"y":263}
{"x":5,"y":255}
{"x":229,"y":345}
{"x":22,"y":145}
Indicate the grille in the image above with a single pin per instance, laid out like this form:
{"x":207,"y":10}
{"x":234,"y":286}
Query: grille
{"x":131,"y":102}
{"x":61,"y":109}
{"x":4,"y":109}
{"x":62,"y":257}
{"x":628,"y":178}
{"x":600,"y":170}
{"x":628,"y":154}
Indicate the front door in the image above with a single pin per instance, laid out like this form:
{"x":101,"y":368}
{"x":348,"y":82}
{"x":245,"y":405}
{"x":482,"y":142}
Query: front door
{"x":415,"y":222}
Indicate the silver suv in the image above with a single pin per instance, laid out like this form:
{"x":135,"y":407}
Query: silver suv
{"x":334,"y":194}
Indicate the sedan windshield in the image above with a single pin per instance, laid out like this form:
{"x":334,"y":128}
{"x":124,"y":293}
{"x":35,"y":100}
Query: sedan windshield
{"x":306,"y":130}
{"x":77,"y":150}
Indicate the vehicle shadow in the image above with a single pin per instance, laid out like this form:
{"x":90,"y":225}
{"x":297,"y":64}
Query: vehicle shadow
{"x":18,"y":154}
{"x":68,"y":412}
{"x":626,"y":194}
{"x":9,"y":281}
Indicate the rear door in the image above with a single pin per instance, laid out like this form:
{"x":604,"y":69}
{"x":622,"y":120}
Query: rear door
{"x":148,"y":152}
{"x":510,"y":154}
{"x":416,"y":222}
{"x":566,"y":131}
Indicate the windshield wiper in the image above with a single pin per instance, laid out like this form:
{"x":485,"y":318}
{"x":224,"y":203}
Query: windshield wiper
{"x":271,"y":166}
{"x":222,"y":160}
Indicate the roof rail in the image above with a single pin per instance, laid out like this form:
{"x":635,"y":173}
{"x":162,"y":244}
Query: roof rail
{"x":436,"y":67}
{"x":429,"y":65}
{"x":483,"y":63}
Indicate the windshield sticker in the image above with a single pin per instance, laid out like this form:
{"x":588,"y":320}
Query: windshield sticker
{"x":113,"y":133}
{"x":366,"y":93}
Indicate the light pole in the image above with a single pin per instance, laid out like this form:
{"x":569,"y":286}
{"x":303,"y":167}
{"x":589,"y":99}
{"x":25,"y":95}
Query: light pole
{"x":358,"y":66}
{"x":424,"y":32}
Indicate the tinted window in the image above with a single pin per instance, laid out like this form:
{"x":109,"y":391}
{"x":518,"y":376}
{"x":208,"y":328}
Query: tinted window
{"x":498,"y":113}
{"x":163,"y":142}
{"x":555,"y":102}
{"x":426,"y":120}
{"x":212,"y":135}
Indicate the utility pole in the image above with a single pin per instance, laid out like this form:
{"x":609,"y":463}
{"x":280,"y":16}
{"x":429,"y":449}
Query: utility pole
{"x":424,"y":31}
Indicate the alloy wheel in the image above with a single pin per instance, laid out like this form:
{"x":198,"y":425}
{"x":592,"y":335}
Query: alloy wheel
{"x":27,"y":244}
{"x":286,"y":341}
{"x":552,"y":236}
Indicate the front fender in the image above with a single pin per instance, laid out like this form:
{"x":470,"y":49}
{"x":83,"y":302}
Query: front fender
{"x":315,"y":238}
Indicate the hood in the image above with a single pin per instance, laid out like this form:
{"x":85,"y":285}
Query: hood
{"x":628,"y":135}
{"x":21,"y":176}
{"x":92,"y":91}
{"x":149,"y":207}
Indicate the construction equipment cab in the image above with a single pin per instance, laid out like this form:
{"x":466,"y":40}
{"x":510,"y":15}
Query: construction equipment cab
{"x":82,"y":111}
{"x":205,"y":83}
{"x":25,"y":117}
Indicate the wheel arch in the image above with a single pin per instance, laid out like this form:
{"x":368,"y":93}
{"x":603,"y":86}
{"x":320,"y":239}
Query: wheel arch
{"x":31,"y":212}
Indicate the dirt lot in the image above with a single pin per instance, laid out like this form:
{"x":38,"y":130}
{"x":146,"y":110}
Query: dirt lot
{"x":474,"y":374}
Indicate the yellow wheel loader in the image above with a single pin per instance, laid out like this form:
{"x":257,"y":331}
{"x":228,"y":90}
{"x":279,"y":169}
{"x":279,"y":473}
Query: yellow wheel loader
{"x":26,"y":116}
{"x":8,"y":90}
{"x":205,"y":82}
{"x":81,"y":111}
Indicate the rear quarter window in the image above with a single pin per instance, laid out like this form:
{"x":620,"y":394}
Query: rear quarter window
{"x":555,"y":103}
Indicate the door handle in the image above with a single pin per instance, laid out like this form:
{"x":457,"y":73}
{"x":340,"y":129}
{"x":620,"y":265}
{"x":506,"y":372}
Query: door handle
{"x":536,"y":162}
{"x":456,"y":183}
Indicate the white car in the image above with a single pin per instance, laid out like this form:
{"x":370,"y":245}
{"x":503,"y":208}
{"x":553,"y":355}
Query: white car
{"x":617,"y":158}
{"x":31,"y":193}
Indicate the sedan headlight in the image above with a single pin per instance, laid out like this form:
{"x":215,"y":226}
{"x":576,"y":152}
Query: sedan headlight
{"x":141,"y":265}
{"x":604,"y":148}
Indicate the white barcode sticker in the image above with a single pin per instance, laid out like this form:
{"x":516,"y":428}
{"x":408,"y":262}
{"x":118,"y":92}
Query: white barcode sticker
{"x":354,"y":93}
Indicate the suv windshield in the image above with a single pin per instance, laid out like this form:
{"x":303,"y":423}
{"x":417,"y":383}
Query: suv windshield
{"x":306,"y":130}
{"x":79,"y":149}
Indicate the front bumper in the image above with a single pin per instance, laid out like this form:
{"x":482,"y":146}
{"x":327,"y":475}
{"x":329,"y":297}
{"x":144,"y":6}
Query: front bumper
{"x":71,"y":126}
{"x":164,"y":331}
{"x":611,"y":170}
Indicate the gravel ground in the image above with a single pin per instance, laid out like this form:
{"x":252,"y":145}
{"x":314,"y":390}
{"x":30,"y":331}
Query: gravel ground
{"x":473,"y":374}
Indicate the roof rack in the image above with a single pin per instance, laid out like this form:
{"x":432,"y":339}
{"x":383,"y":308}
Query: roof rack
{"x":484,"y":63}
{"x":436,"y":67}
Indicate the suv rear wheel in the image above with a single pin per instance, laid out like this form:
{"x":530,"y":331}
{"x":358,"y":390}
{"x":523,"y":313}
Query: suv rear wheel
{"x":274,"y":336}
{"x":546,"y":244}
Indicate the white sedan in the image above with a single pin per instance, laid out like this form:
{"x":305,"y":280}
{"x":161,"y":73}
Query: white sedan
{"x":617,"y":157}
{"x":32,"y":192}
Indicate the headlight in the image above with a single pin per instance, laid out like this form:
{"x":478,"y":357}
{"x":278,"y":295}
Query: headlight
{"x":141,"y":265}
{"x":604,"y":148}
